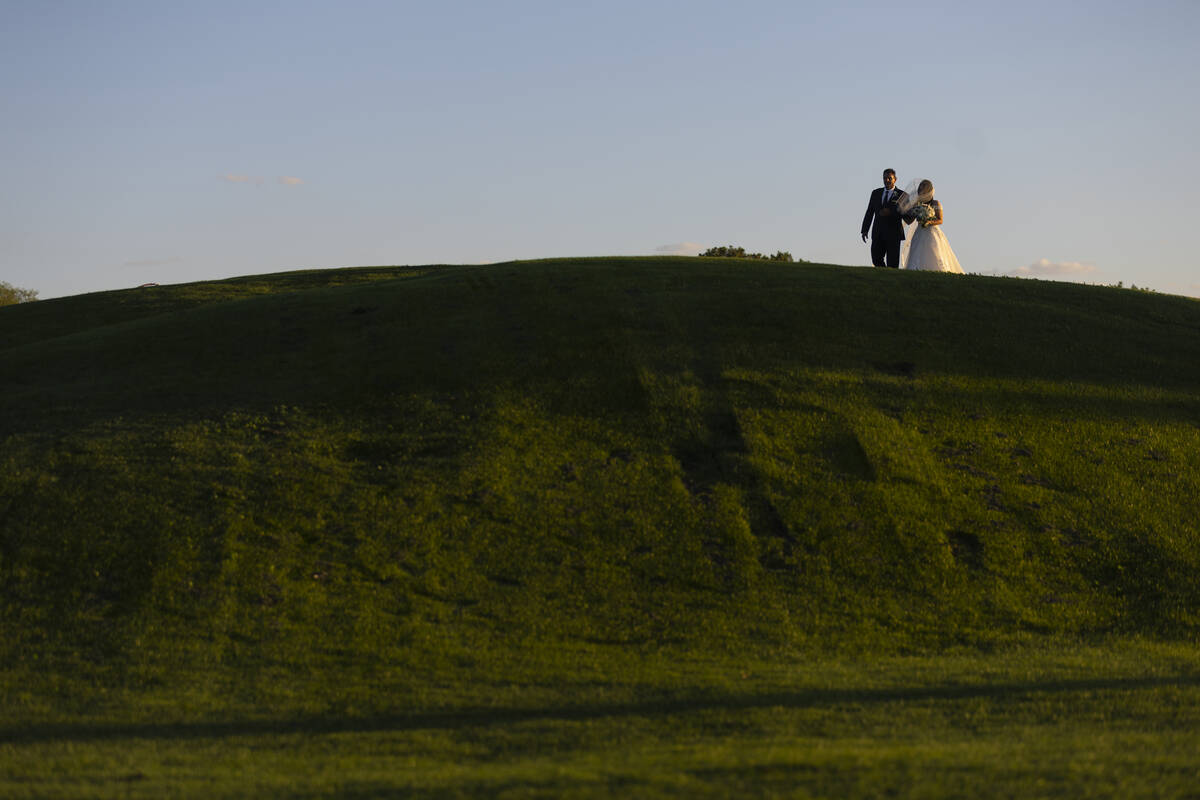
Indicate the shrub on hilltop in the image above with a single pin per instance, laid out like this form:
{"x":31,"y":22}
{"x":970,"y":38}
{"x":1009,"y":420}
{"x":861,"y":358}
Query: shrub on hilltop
{"x":11,"y":295}
{"x":740,"y":252}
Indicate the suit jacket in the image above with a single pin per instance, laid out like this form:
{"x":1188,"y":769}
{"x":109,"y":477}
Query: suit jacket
{"x":888,"y":222}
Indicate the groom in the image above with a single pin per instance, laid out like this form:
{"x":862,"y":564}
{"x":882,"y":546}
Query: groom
{"x":888,"y":231}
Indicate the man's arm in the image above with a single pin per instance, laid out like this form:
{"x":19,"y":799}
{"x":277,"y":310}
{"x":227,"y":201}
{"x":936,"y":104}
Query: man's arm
{"x":866,"y":226}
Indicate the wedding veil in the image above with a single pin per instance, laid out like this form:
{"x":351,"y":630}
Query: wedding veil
{"x":912,"y":195}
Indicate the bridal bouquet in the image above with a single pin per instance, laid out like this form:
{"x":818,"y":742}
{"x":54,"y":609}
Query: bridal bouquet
{"x":924,"y":213}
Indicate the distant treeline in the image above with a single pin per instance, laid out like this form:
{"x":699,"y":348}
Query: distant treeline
{"x":740,"y":252}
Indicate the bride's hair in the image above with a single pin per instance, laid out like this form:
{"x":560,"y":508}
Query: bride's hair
{"x":925,"y":190}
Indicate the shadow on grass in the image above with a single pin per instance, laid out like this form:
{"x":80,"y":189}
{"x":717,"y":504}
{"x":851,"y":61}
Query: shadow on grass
{"x":474,"y":718}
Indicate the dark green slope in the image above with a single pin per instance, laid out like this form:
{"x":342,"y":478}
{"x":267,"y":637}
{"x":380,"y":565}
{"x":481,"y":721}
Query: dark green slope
{"x":399,"y":465}
{"x":355,"y":333}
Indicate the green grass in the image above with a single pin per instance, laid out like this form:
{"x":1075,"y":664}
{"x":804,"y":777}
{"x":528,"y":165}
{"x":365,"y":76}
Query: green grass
{"x":668,"y":527}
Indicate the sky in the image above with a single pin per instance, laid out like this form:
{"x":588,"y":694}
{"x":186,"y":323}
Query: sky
{"x":168,"y":141}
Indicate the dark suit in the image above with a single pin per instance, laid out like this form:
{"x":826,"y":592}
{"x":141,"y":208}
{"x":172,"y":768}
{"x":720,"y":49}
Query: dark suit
{"x":888,"y":231}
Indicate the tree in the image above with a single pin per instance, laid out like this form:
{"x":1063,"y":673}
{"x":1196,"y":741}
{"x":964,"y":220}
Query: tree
{"x":740,"y":252}
{"x":11,"y":295}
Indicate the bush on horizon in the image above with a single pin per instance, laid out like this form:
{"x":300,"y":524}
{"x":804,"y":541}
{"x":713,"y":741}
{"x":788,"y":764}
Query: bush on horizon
{"x":11,"y":295}
{"x":730,"y":251}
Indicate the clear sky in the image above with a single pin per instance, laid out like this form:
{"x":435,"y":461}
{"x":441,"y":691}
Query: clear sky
{"x":171,"y":141}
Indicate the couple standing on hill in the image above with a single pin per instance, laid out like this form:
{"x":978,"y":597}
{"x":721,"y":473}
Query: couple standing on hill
{"x":891,"y":210}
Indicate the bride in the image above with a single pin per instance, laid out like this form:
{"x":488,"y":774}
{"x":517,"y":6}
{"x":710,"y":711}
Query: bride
{"x":928,"y":249}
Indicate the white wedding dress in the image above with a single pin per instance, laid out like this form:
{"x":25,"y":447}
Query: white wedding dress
{"x":928,"y":249}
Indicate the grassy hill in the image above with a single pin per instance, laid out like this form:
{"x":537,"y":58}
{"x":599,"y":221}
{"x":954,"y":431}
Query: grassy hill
{"x":334,"y":495}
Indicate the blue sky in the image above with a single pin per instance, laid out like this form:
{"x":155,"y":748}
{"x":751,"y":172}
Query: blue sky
{"x":168,"y":141}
